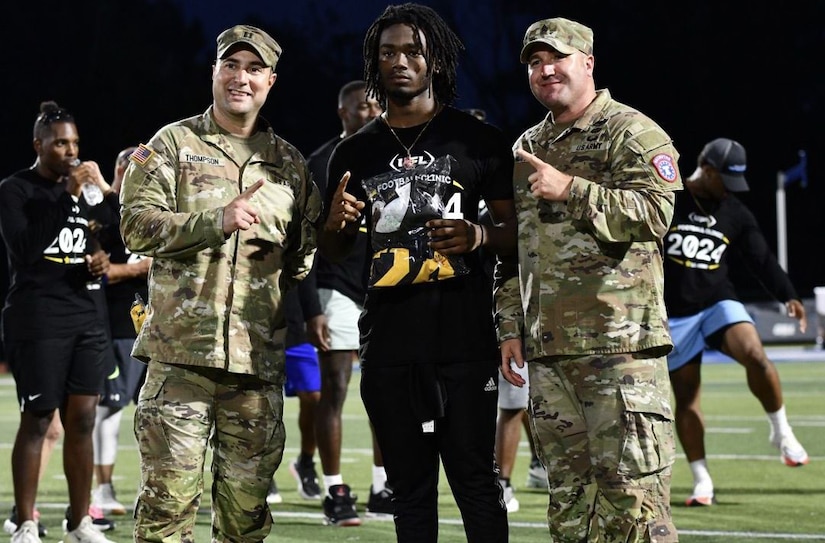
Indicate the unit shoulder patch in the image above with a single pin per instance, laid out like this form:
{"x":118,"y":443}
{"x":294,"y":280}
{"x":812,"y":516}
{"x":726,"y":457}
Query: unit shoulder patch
{"x":665,"y":166}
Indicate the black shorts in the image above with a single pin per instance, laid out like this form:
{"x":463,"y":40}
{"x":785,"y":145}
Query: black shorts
{"x":46,"y":371}
{"x":123,"y":384}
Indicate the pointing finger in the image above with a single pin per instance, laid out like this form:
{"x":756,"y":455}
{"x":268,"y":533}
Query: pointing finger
{"x":247,"y":194}
{"x":530,"y":158}
{"x":342,"y":184}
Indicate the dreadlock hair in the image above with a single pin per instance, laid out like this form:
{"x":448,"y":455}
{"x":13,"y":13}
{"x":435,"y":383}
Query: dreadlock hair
{"x":441,"y":53}
{"x":50,"y":112}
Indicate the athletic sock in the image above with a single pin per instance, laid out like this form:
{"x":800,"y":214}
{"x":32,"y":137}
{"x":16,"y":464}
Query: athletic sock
{"x":701,"y":475}
{"x":779,"y":422}
{"x":332,"y":480}
{"x":379,"y":479}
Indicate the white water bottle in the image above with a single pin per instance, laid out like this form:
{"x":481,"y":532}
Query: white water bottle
{"x":91,"y":192}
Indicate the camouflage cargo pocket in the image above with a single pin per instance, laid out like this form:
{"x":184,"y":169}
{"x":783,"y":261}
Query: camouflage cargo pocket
{"x":172,"y":419}
{"x":648,"y":443}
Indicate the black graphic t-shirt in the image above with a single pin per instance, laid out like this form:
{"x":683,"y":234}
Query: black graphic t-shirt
{"x":701,"y":239}
{"x":47,"y":238}
{"x":435,"y":315}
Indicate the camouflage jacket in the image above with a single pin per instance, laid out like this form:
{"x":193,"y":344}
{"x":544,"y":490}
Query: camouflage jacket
{"x":216,"y":301}
{"x":590,"y":277}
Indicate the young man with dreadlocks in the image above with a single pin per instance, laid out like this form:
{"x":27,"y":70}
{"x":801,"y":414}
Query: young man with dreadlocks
{"x":428,"y":346}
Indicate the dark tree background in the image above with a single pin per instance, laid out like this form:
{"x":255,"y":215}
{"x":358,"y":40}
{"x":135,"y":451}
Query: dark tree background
{"x":701,"y":69}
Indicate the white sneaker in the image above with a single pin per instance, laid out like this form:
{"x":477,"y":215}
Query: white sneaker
{"x":99,"y":522}
{"x":10,"y":525}
{"x":509,"y":495}
{"x":792,"y":452}
{"x":104,"y":498}
{"x":273,"y":496}
{"x":26,"y":533}
{"x":85,"y":533}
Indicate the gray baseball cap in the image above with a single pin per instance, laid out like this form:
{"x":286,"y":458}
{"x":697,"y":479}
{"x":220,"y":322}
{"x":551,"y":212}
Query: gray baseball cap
{"x":729,"y":159}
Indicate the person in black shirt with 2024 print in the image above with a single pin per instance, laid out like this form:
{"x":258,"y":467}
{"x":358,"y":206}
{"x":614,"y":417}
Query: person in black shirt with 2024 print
{"x":708,"y":224}
{"x":53,"y":330}
{"x":428,"y":347}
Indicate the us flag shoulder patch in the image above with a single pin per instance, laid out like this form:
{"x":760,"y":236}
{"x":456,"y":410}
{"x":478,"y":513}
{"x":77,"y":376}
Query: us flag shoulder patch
{"x":665,"y":167}
{"x":141,"y":155}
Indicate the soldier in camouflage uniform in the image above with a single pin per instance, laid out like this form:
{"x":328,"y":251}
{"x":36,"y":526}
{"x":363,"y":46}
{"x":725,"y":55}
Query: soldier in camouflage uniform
{"x":228,"y":210}
{"x":594,"y":189}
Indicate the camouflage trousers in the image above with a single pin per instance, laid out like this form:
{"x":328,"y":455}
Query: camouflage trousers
{"x":180,"y":412}
{"x":605,"y":429}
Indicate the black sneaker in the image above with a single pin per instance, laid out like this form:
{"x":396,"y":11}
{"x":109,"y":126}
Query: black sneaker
{"x":339,"y":507}
{"x":10,"y":525}
{"x":307,"y":479}
{"x":380,"y":504}
{"x":99,"y":522}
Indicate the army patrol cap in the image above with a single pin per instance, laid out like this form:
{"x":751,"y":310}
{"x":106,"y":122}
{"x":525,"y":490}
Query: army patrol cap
{"x":729,"y":159}
{"x":563,"y":35}
{"x":262,"y":43}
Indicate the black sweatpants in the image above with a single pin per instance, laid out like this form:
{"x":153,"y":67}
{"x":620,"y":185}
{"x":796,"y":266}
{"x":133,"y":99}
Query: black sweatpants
{"x":463,"y":439}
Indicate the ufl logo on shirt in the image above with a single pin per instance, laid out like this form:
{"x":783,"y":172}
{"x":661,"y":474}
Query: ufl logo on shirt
{"x":401,"y":163}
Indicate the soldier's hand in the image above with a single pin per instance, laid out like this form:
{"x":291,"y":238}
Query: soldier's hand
{"x":511,"y":352}
{"x":345,"y":208}
{"x":546,"y":182}
{"x":240,"y":214}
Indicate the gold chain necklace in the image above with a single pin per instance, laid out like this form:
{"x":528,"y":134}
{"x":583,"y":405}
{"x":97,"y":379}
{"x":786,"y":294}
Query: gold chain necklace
{"x":408,"y":161}
{"x":700,"y":206}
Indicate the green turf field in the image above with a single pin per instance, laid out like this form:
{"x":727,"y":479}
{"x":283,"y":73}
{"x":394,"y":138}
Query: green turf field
{"x":760,"y":499}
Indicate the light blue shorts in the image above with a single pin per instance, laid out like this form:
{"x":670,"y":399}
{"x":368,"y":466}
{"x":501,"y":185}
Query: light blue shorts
{"x":689,"y":333}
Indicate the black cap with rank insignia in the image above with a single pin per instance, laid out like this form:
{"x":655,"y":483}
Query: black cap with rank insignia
{"x":262,"y":43}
